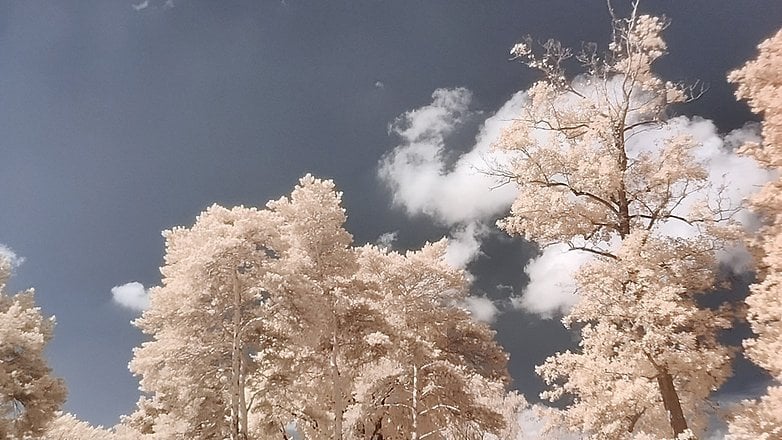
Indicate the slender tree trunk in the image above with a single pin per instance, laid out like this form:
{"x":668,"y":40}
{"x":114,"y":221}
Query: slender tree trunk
{"x":245,"y":433}
{"x":414,"y":434}
{"x":671,"y":402}
{"x":622,"y":202}
{"x":236,"y":363}
{"x":335,"y":379}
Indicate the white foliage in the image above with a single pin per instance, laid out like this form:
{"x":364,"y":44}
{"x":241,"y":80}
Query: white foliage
{"x":29,"y":394}
{"x":602,"y":171}
{"x":759,"y":83}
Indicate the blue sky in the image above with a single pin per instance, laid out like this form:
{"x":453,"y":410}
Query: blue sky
{"x":119,"y":122}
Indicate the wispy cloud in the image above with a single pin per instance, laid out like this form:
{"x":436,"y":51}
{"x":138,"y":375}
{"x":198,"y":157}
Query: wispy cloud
{"x":132,"y":295}
{"x":140,"y":6}
{"x":464,"y":244}
{"x":387,"y":239}
{"x":9,"y":254}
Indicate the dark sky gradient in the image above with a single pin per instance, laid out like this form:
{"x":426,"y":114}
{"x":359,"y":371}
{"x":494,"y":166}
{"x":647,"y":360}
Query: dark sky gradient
{"x":117,"y":124}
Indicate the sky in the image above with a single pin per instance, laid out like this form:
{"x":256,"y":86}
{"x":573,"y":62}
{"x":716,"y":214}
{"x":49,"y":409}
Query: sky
{"x":121,"y":119}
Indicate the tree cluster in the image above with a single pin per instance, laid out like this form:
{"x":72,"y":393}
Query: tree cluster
{"x":271,"y":323}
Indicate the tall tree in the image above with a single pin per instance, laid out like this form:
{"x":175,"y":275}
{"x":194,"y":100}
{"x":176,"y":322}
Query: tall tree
{"x":333,"y":310}
{"x":443,"y":374}
{"x":760,"y":83}
{"x":588,"y":180}
{"x":29,"y":394}
{"x":207,"y":321}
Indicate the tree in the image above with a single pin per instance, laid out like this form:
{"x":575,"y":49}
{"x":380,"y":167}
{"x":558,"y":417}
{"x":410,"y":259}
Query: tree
{"x":29,"y":394}
{"x":334,"y":311}
{"x":443,"y":375}
{"x":270,"y":321}
{"x":208,"y":323}
{"x":760,"y":84}
{"x":589,"y":180}
{"x":68,"y":427}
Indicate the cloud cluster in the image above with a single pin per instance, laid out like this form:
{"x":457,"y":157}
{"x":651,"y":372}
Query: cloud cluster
{"x":462,"y":195}
{"x":132,"y":296}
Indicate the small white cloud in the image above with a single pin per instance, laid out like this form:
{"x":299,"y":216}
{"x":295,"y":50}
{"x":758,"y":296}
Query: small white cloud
{"x":387,"y":240}
{"x":131,"y":295}
{"x":379,"y":85}
{"x":9,"y":254}
{"x":551,"y":287}
{"x":481,"y":308}
{"x":141,"y":6}
{"x":464,"y":245}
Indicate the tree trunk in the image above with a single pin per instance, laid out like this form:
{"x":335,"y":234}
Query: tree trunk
{"x":245,"y":432}
{"x":671,"y":402}
{"x":622,"y":202}
{"x":376,"y":434}
{"x":414,"y":434}
{"x":236,"y":363}
{"x":335,"y":379}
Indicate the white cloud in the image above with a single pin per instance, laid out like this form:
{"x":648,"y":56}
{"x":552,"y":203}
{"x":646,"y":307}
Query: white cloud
{"x":457,"y":194}
{"x":533,"y":420}
{"x":481,"y":308}
{"x":379,"y":85}
{"x":551,"y":287}
{"x":731,"y":177}
{"x":464,"y":244}
{"x":417,"y":170}
{"x":141,"y":6}
{"x":9,"y":254}
{"x":387,"y":239}
{"x":131,"y":295}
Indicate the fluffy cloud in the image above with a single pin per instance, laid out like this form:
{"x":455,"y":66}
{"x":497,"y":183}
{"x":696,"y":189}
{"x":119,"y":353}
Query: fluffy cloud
{"x":131,"y":295}
{"x":460,"y":193}
{"x":417,"y":170}
{"x":9,"y":254}
{"x":481,"y":308}
{"x":464,"y":244}
{"x":551,"y":287}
